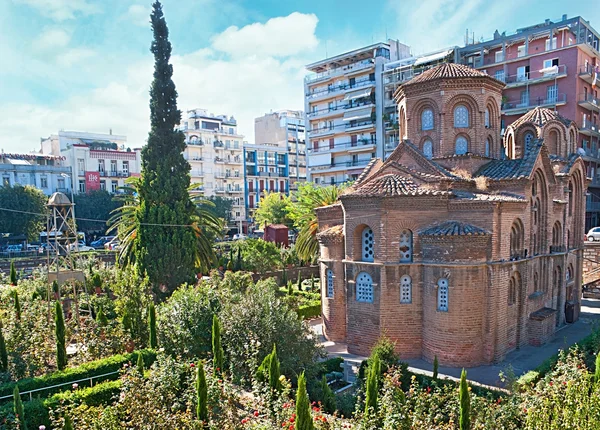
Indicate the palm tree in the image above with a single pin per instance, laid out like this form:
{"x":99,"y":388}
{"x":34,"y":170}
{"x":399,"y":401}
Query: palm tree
{"x":124,"y":221}
{"x":309,"y":198}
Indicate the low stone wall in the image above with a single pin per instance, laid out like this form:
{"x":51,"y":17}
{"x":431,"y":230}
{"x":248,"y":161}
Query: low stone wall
{"x":292,"y":274}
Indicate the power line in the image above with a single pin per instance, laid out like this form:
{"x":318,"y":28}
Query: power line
{"x":96,"y":220}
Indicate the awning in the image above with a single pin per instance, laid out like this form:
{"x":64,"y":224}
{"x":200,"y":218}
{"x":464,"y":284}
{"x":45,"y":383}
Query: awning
{"x":358,"y":114}
{"x":365,"y":92}
{"x":433,"y":57}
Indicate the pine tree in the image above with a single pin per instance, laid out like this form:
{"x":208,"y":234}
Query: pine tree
{"x":217,"y":349}
{"x":274,"y":372}
{"x":101,"y":319}
{"x":201,"y":395}
{"x":13,"y":274}
{"x":328,"y":396}
{"x":140,"y":364}
{"x":304,"y":419}
{"x":435,"y":368}
{"x":68,"y":424}
{"x":18,"y":408}
{"x":59,"y":330}
{"x":3,"y":352}
{"x":152,"y":340}
{"x":373,"y":376}
{"x":465,"y":403}
{"x":17,"y":305}
{"x":166,"y":253}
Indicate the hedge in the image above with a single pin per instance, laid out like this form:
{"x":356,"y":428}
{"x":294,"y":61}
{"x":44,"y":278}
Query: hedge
{"x":36,"y":414}
{"x":309,"y":311}
{"x":87,"y":370}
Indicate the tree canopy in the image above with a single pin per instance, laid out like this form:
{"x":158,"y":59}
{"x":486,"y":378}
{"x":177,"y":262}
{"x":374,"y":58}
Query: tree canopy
{"x":22,"y":199}
{"x":272,"y":209}
{"x":94,"y":205}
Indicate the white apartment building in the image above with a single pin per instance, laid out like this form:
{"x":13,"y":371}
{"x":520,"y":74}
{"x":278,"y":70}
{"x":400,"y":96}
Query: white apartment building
{"x":97,"y":161}
{"x":344,"y":108}
{"x":285,"y":129}
{"x":214,"y":150}
{"x":45,"y":172}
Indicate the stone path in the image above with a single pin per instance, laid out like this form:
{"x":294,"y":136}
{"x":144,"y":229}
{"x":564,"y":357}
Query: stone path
{"x":522,"y":360}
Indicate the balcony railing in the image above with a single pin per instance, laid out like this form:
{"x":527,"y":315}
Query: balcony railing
{"x":524,"y":105}
{"x":327,"y":166}
{"x":340,"y":146}
{"x":587,"y":72}
{"x":114,"y":173}
{"x":324,"y":111}
{"x":339,"y":71}
{"x":535,"y":76}
{"x":337,"y":88}
{"x":588,"y":101}
{"x":324,"y":130}
{"x":589,"y":128}
{"x":218,"y":144}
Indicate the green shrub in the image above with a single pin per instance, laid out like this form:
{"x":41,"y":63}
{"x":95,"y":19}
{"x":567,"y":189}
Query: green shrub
{"x":87,"y":370}
{"x":35,"y":411}
{"x":332,"y":365}
{"x":309,"y":311}
{"x":99,"y":395}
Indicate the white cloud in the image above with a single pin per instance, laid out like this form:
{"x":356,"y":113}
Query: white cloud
{"x":73,"y":56}
{"x":278,"y":37}
{"x":139,"y":15}
{"x":61,"y":10}
{"x":51,"y":39}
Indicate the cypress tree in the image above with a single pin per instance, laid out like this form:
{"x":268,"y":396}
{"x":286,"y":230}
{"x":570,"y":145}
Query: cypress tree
{"x":59,"y":330}
{"x":3,"y":352}
{"x":18,"y":408}
{"x":140,"y":364}
{"x":299,"y":282}
{"x":101,"y":319}
{"x":435,"y":368}
{"x":238,"y":265}
{"x":17,"y":305}
{"x":304,"y":419}
{"x":328,"y":396}
{"x":274,"y":373}
{"x":597,"y":371}
{"x":373,"y":375}
{"x":465,"y":403}
{"x":152,"y":340}
{"x":217,"y":349}
{"x":68,"y":424}
{"x":167,"y":253}
{"x":201,"y":395}
{"x":13,"y":273}
{"x":284,"y":278}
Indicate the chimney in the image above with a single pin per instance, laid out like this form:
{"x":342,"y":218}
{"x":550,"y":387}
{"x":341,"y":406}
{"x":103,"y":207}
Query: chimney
{"x":564,"y":17}
{"x":110,"y":131}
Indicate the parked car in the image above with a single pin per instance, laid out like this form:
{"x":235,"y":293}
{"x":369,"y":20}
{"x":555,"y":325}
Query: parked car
{"x":99,"y":243}
{"x":240,"y":236}
{"x":112,"y":244}
{"x":14,"y":248}
{"x":593,"y":234}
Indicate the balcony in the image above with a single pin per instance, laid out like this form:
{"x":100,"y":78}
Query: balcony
{"x":338,"y":166}
{"x":336,"y":89}
{"x":250,"y":160}
{"x":358,"y":146}
{"x":197,"y":142}
{"x":218,"y":144}
{"x":234,"y":160}
{"x":522,"y":106}
{"x":536,"y":76}
{"x":337,"y":110}
{"x":219,"y":160}
{"x":589,"y":72}
{"x":114,"y":173}
{"x":589,"y":128}
{"x":588,"y":101}
{"x":339,"y":71}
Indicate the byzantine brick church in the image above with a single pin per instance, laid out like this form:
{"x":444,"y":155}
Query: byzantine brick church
{"x":462,"y":244}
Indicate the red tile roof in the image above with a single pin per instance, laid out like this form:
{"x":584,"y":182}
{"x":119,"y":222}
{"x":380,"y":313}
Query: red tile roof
{"x":540,"y":116}
{"x":448,"y":70}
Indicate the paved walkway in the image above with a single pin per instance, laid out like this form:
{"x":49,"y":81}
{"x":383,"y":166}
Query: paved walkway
{"x":522,"y":360}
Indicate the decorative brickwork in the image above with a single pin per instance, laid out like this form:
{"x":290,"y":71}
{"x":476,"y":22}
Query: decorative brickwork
{"x":469,"y":256}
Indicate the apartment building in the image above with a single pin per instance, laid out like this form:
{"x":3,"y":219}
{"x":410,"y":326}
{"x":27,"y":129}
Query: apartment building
{"x":286,"y":129}
{"x":97,"y":161}
{"x":344,"y":106}
{"x":214,"y":150}
{"x":48,"y":173}
{"x":553,"y":64}
{"x":266,"y":168}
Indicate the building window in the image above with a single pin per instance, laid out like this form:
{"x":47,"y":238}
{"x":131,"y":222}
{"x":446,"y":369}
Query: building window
{"x":6,"y":181}
{"x":552,"y":93}
{"x":462,"y":145}
{"x":405,"y":289}
{"x":550,"y":44}
{"x":512,"y":290}
{"x":406,"y":246}
{"x":428,"y":149}
{"x":126,"y":168}
{"x":499,"y":56}
{"x":524,"y":99}
{"x":487,"y":118}
{"x":103,"y":185}
{"x":114,"y":185}
{"x":367,"y":243}
{"x":528,"y":139}
{"x":461,"y":116}
{"x":81,"y":186}
{"x":329,"y":283}
{"x":487,"y":147}
{"x":113,"y":167}
{"x":81,"y":165}
{"x":364,"y":288}
{"x":427,"y":119}
{"x":43,"y":182}
{"x":101,"y":166}
{"x":521,"y":51}
{"x":499,"y":74}
{"x":61,"y":183}
{"x":442,"y":295}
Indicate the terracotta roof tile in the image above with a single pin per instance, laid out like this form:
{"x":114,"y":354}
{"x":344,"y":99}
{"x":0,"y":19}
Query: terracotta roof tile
{"x":337,"y":231}
{"x":454,"y":228}
{"x":512,"y":169}
{"x":496,"y":197}
{"x":540,"y":116}
{"x":448,"y":70}
{"x":392,"y":185}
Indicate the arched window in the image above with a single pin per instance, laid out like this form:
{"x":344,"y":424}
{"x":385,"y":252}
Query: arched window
{"x":487,"y":147}
{"x":428,"y":149}
{"x":442,"y":295}
{"x":364,"y":288}
{"x":553,"y":143}
{"x":462,"y":145}
{"x":535,"y":282}
{"x":367,"y":243}
{"x":487,"y":118}
{"x":516,"y":240}
{"x":569,"y":273}
{"x":556,"y":234}
{"x":406,"y":246}
{"x":512,"y":291}
{"x":193,"y":140}
{"x":461,"y":116}
{"x":329,"y":283}
{"x":528,"y":138}
{"x":427,"y":119}
{"x":405,"y":289}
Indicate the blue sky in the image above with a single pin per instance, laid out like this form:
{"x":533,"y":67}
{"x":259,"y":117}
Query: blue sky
{"x":85,"y":64}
